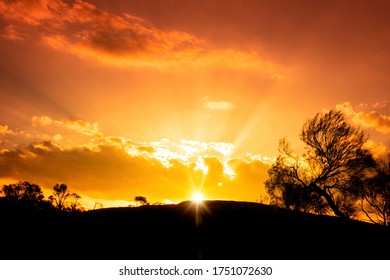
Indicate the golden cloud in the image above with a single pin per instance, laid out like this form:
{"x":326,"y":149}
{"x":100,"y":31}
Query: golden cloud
{"x":5,"y":130}
{"x":372,"y":119}
{"x":80,"y":126}
{"x":82,"y":29}
{"x":111,"y":173}
{"x":219,"y":105}
{"x":116,"y":168}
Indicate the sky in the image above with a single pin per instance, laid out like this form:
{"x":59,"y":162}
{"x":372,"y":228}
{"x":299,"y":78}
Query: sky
{"x":165,"y":98}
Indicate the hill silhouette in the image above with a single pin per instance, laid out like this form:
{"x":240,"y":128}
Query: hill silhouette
{"x":210,"y":230}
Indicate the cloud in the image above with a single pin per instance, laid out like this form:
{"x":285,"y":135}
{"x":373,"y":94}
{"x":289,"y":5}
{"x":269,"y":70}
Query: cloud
{"x":219,"y":105}
{"x":114,"y":168}
{"x":378,"y":149}
{"x":7,"y":136}
{"x":11,"y":33}
{"x":380,"y":105}
{"x":112,"y":174}
{"x":80,"y":126}
{"x":372,"y":119}
{"x":5,"y":130}
{"x":33,"y":13}
{"x":109,"y":171}
{"x":82,"y":29}
{"x":250,"y":176}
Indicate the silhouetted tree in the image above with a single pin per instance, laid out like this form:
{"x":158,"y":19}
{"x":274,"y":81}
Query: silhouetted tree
{"x":375,"y":193}
{"x":98,"y":205}
{"x":158,"y":203}
{"x":63,"y":199}
{"x":24,"y":193}
{"x":323,"y":179}
{"x":141,"y":200}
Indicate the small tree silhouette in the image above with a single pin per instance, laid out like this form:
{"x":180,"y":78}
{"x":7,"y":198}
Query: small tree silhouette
{"x":98,"y":205}
{"x":64,"y":200}
{"x":141,"y":200}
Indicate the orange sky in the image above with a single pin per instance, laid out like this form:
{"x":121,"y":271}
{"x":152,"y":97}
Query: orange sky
{"x":125,"y":98}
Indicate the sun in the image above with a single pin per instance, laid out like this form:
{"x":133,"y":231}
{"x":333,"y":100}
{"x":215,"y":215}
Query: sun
{"x":197,"y":197}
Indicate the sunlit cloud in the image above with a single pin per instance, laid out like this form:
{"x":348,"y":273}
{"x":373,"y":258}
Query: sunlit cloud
{"x":114,"y":169}
{"x":11,"y":33}
{"x":184,"y":150}
{"x":380,"y":105}
{"x":372,"y":119}
{"x":377,"y":149}
{"x":266,"y":159}
{"x":82,"y":29}
{"x":219,"y":105}
{"x":34,"y":13}
{"x":5,"y":130}
{"x":80,"y":126}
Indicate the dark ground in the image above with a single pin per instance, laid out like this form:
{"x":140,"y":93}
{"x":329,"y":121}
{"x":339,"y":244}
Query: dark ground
{"x":212,"y":230}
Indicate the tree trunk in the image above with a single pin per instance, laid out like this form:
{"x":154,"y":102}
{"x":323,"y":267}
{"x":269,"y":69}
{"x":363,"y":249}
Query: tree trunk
{"x":336,"y":210}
